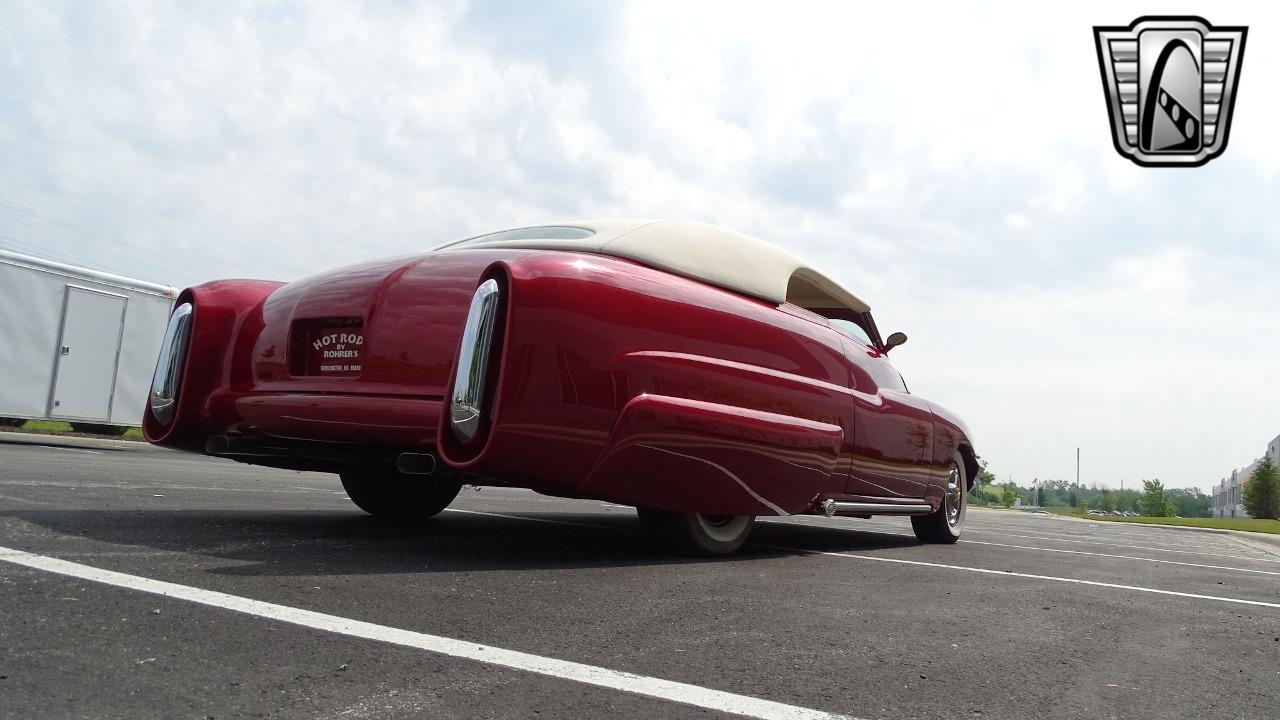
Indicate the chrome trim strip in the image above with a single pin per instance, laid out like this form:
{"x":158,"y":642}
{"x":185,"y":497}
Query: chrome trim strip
{"x":804,"y":381}
{"x":473,"y":361}
{"x":754,"y":495}
{"x":173,"y":354}
{"x":860,"y":508}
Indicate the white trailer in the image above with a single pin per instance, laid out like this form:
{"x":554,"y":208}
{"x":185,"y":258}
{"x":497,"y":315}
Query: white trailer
{"x":76,"y":344}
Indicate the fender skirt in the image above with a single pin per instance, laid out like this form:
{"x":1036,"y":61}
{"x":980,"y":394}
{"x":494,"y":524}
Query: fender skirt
{"x":671,"y":453}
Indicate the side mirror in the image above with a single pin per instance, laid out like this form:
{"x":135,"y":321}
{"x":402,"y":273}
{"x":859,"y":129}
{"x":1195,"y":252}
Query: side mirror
{"x":894,"y":340}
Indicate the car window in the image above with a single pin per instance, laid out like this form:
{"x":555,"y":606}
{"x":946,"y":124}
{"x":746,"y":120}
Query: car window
{"x":853,"y":329}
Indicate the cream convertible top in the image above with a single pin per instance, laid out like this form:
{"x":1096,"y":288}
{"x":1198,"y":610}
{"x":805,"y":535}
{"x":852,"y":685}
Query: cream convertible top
{"x":710,"y":253}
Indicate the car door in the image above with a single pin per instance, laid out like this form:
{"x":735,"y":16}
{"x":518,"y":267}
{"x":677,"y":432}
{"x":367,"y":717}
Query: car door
{"x":892,"y":448}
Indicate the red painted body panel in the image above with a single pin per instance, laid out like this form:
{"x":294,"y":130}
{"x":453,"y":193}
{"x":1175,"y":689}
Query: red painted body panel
{"x":228,"y":313}
{"x":586,"y":334}
{"x":892,"y":453}
{"x":611,"y":380}
{"x":412,"y":313}
{"x":676,"y":454}
{"x":368,"y":419}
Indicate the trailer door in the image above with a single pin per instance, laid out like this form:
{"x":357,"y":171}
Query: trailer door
{"x":87,"y":354}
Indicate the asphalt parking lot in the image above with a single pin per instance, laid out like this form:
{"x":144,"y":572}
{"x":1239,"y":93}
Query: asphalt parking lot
{"x":234,"y":591}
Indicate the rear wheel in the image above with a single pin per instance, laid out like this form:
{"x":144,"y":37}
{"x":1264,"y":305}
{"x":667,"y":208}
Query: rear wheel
{"x":387,"y":493}
{"x":11,"y":422}
{"x":696,"y":532}
{"x":944,"y":524}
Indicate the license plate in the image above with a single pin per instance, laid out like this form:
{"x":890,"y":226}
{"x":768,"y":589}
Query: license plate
{"x":334,"y":351}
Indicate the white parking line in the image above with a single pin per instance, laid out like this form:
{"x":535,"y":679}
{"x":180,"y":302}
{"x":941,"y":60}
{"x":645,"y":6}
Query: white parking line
{"x":887,"y":526}
{"x":684,"y":693}
{"x":1051,"y":550}
{"x":1181,"y":541}
{"x":14,"y":498}
{"x":1133,"y":547}
{"x":921,"y":563}
{"x":1122,"y":557}
{"x":1009,"y":573}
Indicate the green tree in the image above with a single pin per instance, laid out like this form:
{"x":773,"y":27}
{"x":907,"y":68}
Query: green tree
{"x":983,"y":495}
{"x":1039,"y":494}
{"x":1008,"y":493}
{"x":1262,"y":492}
{"x":986,"y":488}
{"x":1155,"y":500}
{"x":1191,"y":502}
{"x":1106,"y":500}
{"x":1127,"y":500}
{"x":1054,"y":493}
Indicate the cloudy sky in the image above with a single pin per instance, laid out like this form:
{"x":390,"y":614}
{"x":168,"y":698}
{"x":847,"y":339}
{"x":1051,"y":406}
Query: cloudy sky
{"x":951,"y":164}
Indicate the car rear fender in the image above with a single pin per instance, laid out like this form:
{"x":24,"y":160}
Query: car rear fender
{"x":226,"y":316}
{"x":678,"y":454}
{"x":583,"y":337}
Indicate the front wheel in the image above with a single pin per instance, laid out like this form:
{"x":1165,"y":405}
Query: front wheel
{"x":944,"y":524}
{"x":696,"y":532}
{"x":386,"y":493}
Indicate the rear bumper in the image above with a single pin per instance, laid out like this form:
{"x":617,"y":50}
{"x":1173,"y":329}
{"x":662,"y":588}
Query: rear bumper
{"x":358,"y":419}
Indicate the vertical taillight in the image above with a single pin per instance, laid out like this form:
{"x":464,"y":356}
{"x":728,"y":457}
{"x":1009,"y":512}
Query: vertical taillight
{"x":472,"y":366}
{"x":173,"y":353}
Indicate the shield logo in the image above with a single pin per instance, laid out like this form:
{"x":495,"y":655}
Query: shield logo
{"x":1170,"y":84}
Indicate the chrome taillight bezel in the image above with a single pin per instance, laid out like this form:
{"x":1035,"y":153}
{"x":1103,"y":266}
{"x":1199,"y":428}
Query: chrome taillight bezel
{"x":173,"y":354}
{"x":472,"y":365}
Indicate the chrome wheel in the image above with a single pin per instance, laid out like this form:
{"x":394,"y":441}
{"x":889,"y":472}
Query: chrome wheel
{"x":954,"y":497}
{"x":945,"y":523}
{"x":696,"y":532}
{"x":723,"y":528}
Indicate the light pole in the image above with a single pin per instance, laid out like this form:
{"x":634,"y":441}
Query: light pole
{"x":1077,"y":478}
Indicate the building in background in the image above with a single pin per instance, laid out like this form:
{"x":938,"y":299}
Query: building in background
{"x":1228,"y":494}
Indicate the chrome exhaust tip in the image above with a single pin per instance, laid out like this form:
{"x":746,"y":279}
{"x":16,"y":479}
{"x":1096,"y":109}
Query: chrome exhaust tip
{"x":410,"y":463}
{"x":217,"y":444}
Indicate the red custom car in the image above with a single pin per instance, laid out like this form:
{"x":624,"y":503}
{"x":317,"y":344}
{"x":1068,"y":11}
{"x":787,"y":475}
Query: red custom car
{"x":703,"y":376}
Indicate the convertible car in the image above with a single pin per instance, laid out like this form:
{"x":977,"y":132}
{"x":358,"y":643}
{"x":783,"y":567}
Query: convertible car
{"x":703,"y":376}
